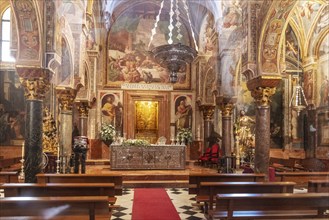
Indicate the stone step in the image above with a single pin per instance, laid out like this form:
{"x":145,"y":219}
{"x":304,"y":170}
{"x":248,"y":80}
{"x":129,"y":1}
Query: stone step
{"x":155,"y":184}
{"x":154,"y":177}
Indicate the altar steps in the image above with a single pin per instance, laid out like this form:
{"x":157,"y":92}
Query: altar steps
{"x":155,"y":181}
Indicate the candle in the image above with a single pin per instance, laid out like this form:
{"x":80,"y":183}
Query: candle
{"x":57,"y":152}
{"x":198,"y":134}
{"x":23,"y":149}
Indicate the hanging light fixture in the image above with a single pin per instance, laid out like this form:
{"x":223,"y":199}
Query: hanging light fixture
{"x":173,"y":56}
{"x":298,"y":101}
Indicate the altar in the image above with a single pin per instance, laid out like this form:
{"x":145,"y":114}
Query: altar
{"x":148,"y":157}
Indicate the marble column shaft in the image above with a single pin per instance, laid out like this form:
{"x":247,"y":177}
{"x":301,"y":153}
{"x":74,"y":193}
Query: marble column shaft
{"x":227,"y":105}
{"x":33,"y":140}
{"x":35,"y":82}
{"x":208,"y":114}
{"x":83,"y":109}
{"x":262,"y":139}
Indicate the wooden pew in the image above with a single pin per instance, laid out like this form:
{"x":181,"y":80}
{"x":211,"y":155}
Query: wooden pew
{"x":301,"y":178}
{"x":60,"y":189}
{"x":82,"y":178}
{"x":318,"y":186}
{"x":58,"y":208}
{"x":271,"y":206}
{"x":208,"y":190}
{"x":196,"y":178}
{"x":8,"y":177}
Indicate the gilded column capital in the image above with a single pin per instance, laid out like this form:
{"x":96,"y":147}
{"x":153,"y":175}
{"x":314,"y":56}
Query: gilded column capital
{"x":35,"y":81}
{"x":263,"y":87}
{"x":66,"y":96}
{"x":83,"y":108}
{"x":262,"y":95}
{"x":208,"y":111}
{"x":226,"y":104}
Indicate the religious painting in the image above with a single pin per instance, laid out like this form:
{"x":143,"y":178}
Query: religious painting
{"x":307,"y":10}
{"x":323,"y":74}
{"x":206,"y":41}
{"x":111,"y":107}
{"x":277,"y":117}
{"x":12,"y":109}
{"x":323,"y":127}
{"x":182,"y":110}
{"x":129,"y":46}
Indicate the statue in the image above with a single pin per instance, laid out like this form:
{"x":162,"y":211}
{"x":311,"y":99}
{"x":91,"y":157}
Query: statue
{"x":245,"y":134}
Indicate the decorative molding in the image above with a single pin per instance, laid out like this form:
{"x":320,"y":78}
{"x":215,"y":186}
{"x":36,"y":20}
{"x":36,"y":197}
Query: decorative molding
{"x":141,"y":86}
{"x":226,"y":105}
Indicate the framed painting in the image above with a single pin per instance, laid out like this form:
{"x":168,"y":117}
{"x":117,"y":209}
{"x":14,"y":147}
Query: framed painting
{"x":182,"y":111}
{"x":323,"y":127}
{"x":111,"y":108}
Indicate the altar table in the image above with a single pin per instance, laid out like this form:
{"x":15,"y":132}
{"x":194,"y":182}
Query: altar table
{"x":148,"y":157}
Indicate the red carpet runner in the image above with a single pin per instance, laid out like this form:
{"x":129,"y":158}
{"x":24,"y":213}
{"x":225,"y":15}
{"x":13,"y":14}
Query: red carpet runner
{"x":153,"y":204}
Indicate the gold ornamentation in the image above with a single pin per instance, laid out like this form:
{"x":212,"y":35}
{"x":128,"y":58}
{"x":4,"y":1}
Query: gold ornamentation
{"x":262,"y":95}
{"x":208,"y":111}
{"x":49,"y":139}
{"x":227,"y":109}
{"x":35,"y":88}
{"x":66,"y":98}
{"x":83,"y":109}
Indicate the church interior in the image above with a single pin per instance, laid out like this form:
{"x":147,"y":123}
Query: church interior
{"x":208,"y":100}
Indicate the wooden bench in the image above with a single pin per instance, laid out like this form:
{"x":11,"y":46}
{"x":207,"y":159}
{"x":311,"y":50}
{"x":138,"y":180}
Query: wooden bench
{"x":82,"y":178}
{"x":208,"y":190}
{"x":318,"y":186}
{"x":60,"y":189}
{"x":61,"y":208}
{"x":301,"y":178}
{"x":8,"y":177}
{"x":271,"y":206}
{"x":196,"y":178}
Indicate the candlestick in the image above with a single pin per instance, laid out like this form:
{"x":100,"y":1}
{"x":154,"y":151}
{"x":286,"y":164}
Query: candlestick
{"x":23,"y":149}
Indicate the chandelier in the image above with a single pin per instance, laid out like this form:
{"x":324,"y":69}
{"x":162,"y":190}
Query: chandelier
{"x":298,"y":101}
{"x":173,"y":56}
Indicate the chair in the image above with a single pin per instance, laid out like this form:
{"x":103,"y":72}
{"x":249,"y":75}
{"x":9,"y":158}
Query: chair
{"x":205,"y":157}
{"x":216,"y":152}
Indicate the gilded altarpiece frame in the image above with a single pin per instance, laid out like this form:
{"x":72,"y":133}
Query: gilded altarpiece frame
{"x":131,"y":118}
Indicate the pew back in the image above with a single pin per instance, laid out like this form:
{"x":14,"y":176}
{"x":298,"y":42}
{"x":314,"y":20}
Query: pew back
{"x":301,"y":178}
{"x":196,"y":178}
{"x":271,"y":205}
{"x":86,"y":207}
{"x":58,"y":189}
{"x":318,"y":186}
{"x":209,"y":189}
{"x":82,"y":178}
{"x":8,"y":177}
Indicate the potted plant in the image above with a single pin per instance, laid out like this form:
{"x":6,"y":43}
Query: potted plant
{"x":184,"y":135}
{"x":107,"y":133}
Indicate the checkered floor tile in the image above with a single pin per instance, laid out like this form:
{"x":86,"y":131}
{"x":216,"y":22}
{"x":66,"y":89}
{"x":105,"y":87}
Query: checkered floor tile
{"x":180,"y":198}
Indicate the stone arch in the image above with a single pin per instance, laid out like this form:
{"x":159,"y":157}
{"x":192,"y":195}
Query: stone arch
{"x":318,"y":41}
{"x":28,"y":22}
{"x":271,"y":36}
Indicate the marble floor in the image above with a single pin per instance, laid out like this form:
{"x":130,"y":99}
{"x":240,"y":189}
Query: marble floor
{"x":179,"y":196}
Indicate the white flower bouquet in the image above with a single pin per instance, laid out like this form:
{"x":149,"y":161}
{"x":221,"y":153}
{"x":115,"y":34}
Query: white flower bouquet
{"x":185,"y":135}
{"x":135,"y":142}
{"x":107,"y":133}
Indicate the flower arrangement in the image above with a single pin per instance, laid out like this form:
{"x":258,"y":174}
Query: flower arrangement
{"x":185,"y":134}
{"x":107,"y":133}
{"x":135,"y":142}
